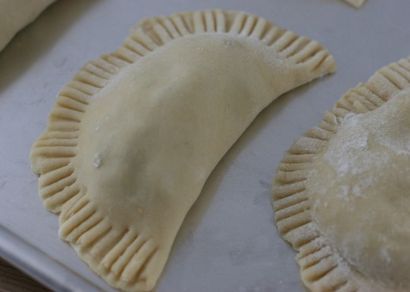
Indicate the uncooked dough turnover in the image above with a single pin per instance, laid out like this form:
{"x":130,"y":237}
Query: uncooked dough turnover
{"x":134,"y":136}
{"x":342,"y":196}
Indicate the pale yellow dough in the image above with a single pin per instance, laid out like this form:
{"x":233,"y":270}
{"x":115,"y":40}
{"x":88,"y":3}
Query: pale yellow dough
{"x":133,"y":138}
{"x":342,"y":195}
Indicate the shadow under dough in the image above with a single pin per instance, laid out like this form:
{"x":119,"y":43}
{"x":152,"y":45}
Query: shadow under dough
{"x":37,"y":38}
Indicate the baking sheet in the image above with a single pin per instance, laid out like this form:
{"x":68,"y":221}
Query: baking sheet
{"x":228,"y":241}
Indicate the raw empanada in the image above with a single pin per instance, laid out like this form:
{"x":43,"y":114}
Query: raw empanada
{"x":133,"y":138}
{"x":356,"y":3}
{"x":341,"y":194}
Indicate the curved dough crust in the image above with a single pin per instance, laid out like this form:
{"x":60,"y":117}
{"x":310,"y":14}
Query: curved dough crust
{"x":133,"y":138}
{"x":341,"y":193}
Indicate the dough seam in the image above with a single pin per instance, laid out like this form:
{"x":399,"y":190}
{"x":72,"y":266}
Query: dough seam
{"x":320,"y":267}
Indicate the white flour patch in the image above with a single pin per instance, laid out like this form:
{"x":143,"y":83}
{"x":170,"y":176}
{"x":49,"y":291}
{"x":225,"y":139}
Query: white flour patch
{"x":97,"y":161}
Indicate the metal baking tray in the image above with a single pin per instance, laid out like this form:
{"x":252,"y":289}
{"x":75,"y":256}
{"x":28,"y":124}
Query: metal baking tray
{"x":228,"y":241}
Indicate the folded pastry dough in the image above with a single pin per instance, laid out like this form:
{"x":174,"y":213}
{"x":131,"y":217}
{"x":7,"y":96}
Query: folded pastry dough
{"x":341,"y":194}
{"x":134,"y":136}
{"x":356,"y":3}
{"x":16,"y":14}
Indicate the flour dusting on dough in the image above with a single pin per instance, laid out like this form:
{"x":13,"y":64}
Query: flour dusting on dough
{"x":385,"y":255}
{"x":343,"y":157}
{"x":97,"y":162}
{"x":363,"y":184}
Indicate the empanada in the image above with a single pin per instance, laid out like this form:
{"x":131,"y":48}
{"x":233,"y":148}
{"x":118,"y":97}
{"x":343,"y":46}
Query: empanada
{"x":341,"y":194}
{"x":134,"y":136}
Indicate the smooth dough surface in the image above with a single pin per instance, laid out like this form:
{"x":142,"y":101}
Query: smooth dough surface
{"x":355,"y":182}
{"x":183,"y":106}
{"x":16,"y":14}
{"x":133,"y":138}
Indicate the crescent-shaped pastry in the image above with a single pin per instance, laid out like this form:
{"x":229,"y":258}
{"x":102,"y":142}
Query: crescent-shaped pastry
{"x":134,"y":136}
{"x":341,"y":194}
